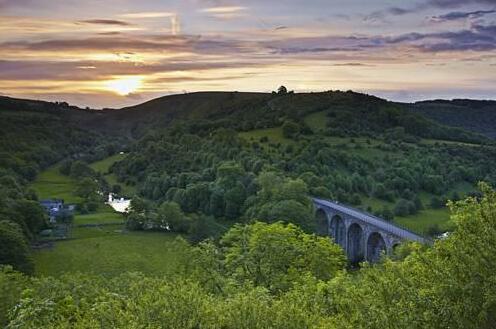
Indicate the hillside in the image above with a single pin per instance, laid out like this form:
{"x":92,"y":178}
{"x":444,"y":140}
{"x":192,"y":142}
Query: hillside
{"x":221,"y":184}
{"x":246,"y":108}
{"x":472,"y":115}
{"x":352,"y":147}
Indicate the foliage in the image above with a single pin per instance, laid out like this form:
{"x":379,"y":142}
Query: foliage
{"x":448,"y":285}
{"x":278,"y":256}
{"x":14,"y":247}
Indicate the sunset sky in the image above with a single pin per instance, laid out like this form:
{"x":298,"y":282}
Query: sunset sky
{"x":123,"y":52}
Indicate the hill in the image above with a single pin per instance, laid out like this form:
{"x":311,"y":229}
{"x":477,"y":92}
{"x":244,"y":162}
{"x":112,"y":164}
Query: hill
{"x":248,"y":109}
{"x":473,"y":115}
{"x":352,"y":147}
{"x":206,"y":166}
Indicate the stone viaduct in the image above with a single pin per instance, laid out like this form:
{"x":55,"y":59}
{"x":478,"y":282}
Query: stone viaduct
{"x":361,"y":235}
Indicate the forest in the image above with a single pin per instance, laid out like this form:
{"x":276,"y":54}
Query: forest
{"x":230,"y":181}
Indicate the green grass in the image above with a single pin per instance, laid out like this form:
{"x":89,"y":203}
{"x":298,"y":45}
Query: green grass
{"x":365,"y":147}
{"x":103,"y":167}
{"x":426,"y":218}
{"x":446,"y":142}
{"x":419,"y":222}
{"x":107,"y":251}
{"x":96,"y":231}
{"x":376,"y":204}
{"x":126,"y":190}
{"x":273,"y":134}
{"x":104,"y":215}
{"x":51,"y":184}
{"x":317,"y":121}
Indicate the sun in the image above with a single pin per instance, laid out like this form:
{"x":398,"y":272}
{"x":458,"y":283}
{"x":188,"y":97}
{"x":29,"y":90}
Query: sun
{"x":125,"y":85}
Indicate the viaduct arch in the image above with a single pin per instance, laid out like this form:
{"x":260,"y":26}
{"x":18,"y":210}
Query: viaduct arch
{"x":362,"y":235}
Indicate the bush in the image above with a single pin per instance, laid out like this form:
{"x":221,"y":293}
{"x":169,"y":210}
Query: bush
{"x":437,"y":203}
{"x":14,"y":248}
{"x":290,"y":129}
{"x":402,"y":208}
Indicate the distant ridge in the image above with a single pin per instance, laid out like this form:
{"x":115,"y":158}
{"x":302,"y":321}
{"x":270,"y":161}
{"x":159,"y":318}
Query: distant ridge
{"x":478,"y":116}
{"x":473,"y":115}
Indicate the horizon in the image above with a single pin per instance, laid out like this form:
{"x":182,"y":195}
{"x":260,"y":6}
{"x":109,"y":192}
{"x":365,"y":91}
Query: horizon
{"x":85,"y":107}
{"x":121,"y":53}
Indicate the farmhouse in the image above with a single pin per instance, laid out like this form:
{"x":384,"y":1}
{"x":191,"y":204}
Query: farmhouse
{"x":56,"y":208}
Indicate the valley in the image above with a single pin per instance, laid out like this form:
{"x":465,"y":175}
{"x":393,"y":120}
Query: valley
{"x":222,"y":203}
{"x":228,"y":164}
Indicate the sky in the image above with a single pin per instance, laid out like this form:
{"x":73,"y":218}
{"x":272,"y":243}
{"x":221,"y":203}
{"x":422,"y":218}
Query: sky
{"x":123,"y":52}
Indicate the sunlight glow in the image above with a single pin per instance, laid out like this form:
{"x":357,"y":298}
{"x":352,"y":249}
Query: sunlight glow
{"x":125,"y":85}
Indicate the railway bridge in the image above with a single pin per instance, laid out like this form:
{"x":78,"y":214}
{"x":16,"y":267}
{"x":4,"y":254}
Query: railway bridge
{"x":361,"y":235}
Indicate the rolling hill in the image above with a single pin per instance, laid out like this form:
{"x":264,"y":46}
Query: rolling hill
{"x":473,"y":115}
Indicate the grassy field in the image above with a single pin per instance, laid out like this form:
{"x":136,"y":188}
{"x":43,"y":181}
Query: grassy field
{"x":273,"y":134}
{"x":426,"y":218}
{"x":103,"y":166}
{"x":419,"y":222}
{"x":106,"y":248}
{"x":317,"y":121}
{"x":104,"y":215}
{"x":364,"y":147}
{"x":109,"y":251}
{"x":50,"y":184}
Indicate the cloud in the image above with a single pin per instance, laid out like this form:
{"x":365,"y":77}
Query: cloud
{"x":458,"y":15}
{"x":109,"y":33}
{"x":175,"y":21}
{"x":425,"y":5}
{"x":351,"y":64}
{"x":105,"y":22}
{"x":477,"y":38}
{"x":150,"y":14}
{"x":175,"y":25}
{"x":300,"y":50}
{"x":225,"y":12}
{"x":99,"y":70}
{"x":14,"y":3}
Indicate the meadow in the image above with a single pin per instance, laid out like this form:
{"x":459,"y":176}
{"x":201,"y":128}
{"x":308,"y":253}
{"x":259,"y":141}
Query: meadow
{"x":50,"y":184}
{"x":110,"y":250}
{"x":98,"y":242}
{"x":103,"y":167}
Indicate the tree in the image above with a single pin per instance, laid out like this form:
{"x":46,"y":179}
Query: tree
{"x":282,"y":90}
{"x":170,"y":215}
{"x":80,"y":169}
{"x":437,"y":202}
{"x":278,"y":255}
{"x":234,"y":199}
{"x":139,"y":205}
{"x":32,"y":214}
{"x":290,"y":129}
{"x":434,"y":230}
{"x":418,"y":203}
{"x":217,"y":203}
{"x":116,"y":188}
{"x":65,"y":167}
{"x":135,"y":221}
{"x":87,"y":188}
{"x":387,"y":214}
{"x":402,"y":208}
{"x":14,"y":248}
{"x":355,"y":199}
